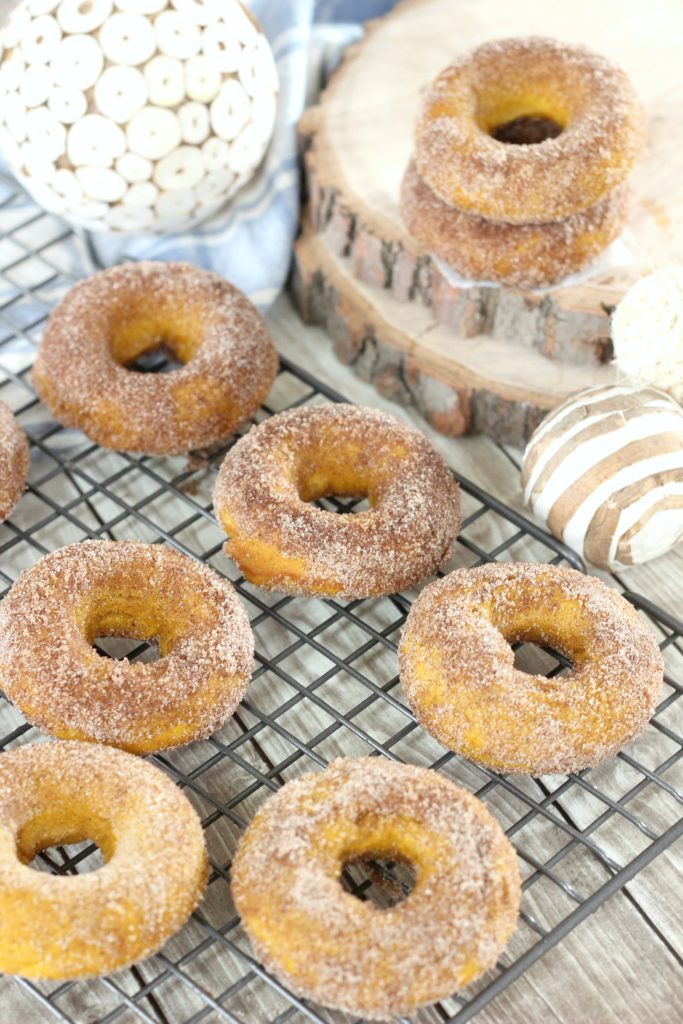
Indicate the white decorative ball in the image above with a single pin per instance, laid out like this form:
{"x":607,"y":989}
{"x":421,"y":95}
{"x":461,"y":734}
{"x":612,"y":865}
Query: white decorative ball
{"x":604,"y":473}
{"x":647,"y":331}
{"x":135,"y":115}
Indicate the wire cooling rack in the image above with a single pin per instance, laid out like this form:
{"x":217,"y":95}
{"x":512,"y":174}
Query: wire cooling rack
{"x":325,"y":685}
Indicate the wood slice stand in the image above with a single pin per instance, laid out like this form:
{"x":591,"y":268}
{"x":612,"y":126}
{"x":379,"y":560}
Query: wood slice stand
{"x":483,"y":357}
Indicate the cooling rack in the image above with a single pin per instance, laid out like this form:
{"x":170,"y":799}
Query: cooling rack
{"x":325,"y":684}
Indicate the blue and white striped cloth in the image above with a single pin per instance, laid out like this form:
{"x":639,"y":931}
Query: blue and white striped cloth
{"x":250,"y":241}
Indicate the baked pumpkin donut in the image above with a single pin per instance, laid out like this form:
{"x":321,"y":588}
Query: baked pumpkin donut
{"x":13,"y":461}
{"x":520,"y":255}
{"x":51,"y":672}
{"x":282,"y":543}
{"x":576,"y":115}
{"x":155,"y":865}
{"x":458,"y":675}
{"x":325,"y":944}
{"x":107,"y":321}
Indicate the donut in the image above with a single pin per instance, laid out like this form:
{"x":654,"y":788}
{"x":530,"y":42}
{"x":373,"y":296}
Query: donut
{"x":604,"y":474}
{"x":458,"y":674}
{"x":528,"y":130}
{"x":51,"y":672}
{"x":13,"y":461}
{"x":325,"y":944}
{"x":521,"y":255}
{"x":155,"y":865}
{"x":107,"y":321}
{"x":281,"y":542}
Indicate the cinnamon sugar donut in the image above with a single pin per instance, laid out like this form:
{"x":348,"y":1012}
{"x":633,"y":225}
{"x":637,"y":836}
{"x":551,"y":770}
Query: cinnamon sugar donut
{"x":458,"y":675}
{"x":588,"y":124}
{"x":282,"y":543}
{"x":51,"y":672}
{"x":107,"y":321}
{"x":325,"y":944}
{"x":521,"y":255}
{"x":152,"y":844}
{"x":13,"y":461}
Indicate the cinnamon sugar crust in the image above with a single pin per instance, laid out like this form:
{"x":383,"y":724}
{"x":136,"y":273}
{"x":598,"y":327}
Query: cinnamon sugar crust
{"x":592,"y":100}
{"x":51,"y":672}
{"x":108,"y":320}
{"x":325,"y":944}
{"x":13,"y":461}
{"x":457,"y":667}
{"x":519,"y":255}
{"x":283,"y":543}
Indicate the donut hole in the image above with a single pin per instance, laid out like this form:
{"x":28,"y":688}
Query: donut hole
{"x":526,"y":118}
{"x":342,"y":504}
{"x":153,"y":341}
{"x":342,"y":478}
{"x":159,"y":359}
{"x":125,"y":648}
{"x":383,"y":881}
{"x":68,"y":858}
{"x":543,"y":643}
{"x":65,"y":840}
{"x":343,"y":491}
{"x":127,"y":622}
{"x":526,"y":130}
{"x":539,"y":660}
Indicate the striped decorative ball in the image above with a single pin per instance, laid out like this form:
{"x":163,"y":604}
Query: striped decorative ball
{"x":604,"y":473}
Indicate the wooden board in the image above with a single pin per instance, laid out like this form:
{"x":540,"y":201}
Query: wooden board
{"x":358,"y":140}
{"x":459,"y":384}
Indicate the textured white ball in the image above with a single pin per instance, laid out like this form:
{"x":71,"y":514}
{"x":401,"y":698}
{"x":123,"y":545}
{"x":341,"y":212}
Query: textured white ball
{"x":647,"y":331}
{"x":604,"y":473}
{"x":135,"y":115}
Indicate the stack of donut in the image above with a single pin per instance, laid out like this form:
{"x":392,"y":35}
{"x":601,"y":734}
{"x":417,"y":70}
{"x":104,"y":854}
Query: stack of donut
{"x":523,"y":147}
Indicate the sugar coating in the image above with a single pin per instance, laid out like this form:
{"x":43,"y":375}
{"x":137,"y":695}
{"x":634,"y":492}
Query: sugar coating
{"x":228,"y":374}
{"x":407,"y":534}
{"x":352,"y":955}
{"x":457,"y":667}
{"x":51,"y":672}
{"x":466,"y":166}
{"x":13,"y":461}
{"x":522,"y":255}
{"x":73,"y":926}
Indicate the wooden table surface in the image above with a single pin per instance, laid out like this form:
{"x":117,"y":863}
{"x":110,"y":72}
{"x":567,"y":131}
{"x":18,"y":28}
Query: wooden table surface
{"x":624,"y":964}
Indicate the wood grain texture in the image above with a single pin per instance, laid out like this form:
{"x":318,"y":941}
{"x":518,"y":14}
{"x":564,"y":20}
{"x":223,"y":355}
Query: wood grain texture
{"x":460,"y":384}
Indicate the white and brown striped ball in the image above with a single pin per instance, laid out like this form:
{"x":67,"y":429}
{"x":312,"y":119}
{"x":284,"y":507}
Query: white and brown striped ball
{"x":604,"y":473}
{"x":135,"y":115}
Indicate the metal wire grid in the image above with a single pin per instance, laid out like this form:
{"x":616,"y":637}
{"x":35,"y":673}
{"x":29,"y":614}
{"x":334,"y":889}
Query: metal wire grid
{"x":325,"y":684}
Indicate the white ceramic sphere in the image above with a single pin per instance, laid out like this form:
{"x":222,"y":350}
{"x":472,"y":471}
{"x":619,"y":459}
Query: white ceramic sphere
{"x":135,"y":115}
